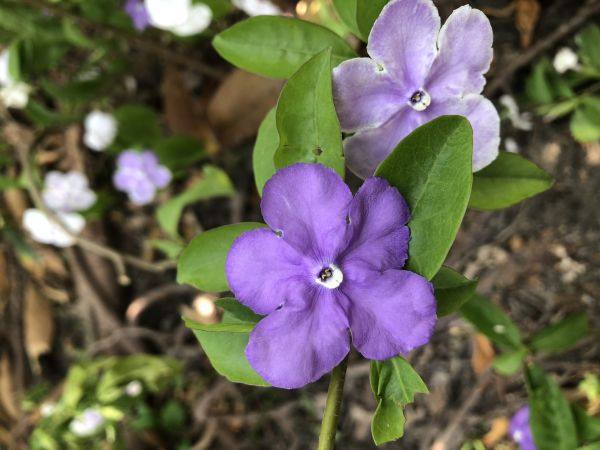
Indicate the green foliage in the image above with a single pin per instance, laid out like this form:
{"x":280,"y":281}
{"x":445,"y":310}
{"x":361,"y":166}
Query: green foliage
{"x":431,"y":168}
{"x":309,"y":130}
{"x":588,"y":427}
{"x":214,"y":183}
{"x":359,"y":15}
{"x":510,"y":361}
{"x":202,"y":263}
{"x":138,"y":126}
{"x":589,"y":50}
{"x":561,"y":336}
{"x":585,"y":122}
{"x":267,"y":143}
{"x":171,"y":248}
{"x":490,"y":320}
{"x":178,"y":153}
{"x":277,"y":46}
{"x":394,"y":383}
{"x":232,"y":335}
{"x":551,"y":419}
{"x":452,"y":290}
{"x":510,"y":179}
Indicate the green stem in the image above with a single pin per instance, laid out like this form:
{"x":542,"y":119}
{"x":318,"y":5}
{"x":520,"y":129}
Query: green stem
{"x":333,"y":406}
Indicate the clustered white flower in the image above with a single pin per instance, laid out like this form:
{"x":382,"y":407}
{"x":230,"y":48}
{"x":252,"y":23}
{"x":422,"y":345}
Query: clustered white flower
{"x":258,"y":7}
{"x":565,"y":59}
{"x":87,"y":423}
{"x":13,"y":93}
{"x":521,"y":121}
{"x":181,"y":17}
{"x":100,"y":130}
{"x":65,"y":194}
{"x":133,"y":388}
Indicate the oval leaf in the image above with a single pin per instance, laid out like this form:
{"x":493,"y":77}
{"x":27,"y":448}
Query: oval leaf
{"x":507,"y":181}
{"x":202,"y":263}
{"x":309,"y":130}
{"x":277,"y":46}
{"x":431,"y":168}
{"x":367,"y":12}
{"x":452,"y":290}
{"x":265,"y":147}
{"x":561,"y":336}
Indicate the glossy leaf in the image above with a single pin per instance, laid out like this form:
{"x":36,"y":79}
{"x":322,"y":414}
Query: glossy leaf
{"x":276,"y":46}
{"x":214,"y":183}
{"x":509,"y":362}
{"x":431,"y":168}
{"x":492,"y":321}
{"x":452,"y":290}
{"x":265,"y":147}
{"x":202,"y":263}
{"x":510,"y":179}
{"x":346,"y":10}
{"x":550,"y":418}
{"x":367,"y":11}
{"x":561,"y":336}
{"x":395,"y":384}
{"x":309,"y":130}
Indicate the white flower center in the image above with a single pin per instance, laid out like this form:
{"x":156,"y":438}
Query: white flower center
{"x":420,"y":100}
{"x":518,"y":436}
{"x":330,"y":276}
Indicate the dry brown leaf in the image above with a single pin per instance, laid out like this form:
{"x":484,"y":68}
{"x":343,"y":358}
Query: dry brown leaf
{"x":74,"y":154}
{"x":483,"y":354}
{"x":527,"y":14}
{"x":240,"y":104}
{"x":8,"y":403}
{"x":38,"y":322}
{"x":497,"y":431}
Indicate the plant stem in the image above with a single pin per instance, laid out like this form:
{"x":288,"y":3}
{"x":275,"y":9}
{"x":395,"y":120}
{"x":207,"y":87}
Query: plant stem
{"x":333,"y":406}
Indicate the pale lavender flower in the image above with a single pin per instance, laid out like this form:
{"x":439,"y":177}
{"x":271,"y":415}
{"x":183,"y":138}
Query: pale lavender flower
{"x":138,"y":13}
{"x":87,"y":423}
{"x":140,"y":175}
{"x":520,"y":429}
{"x":328,"y":272}
{"x":67,"y":192}
{"x":416,"y":72}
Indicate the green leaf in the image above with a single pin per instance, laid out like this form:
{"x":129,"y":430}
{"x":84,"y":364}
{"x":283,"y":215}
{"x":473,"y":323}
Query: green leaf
{"x":214,"y":183}
{"x":507,"y":181}
{"x":138,"y":126}
{"x":394,"y":383}
{"x":226,"y":347}
{"x":588,"y":427}
{"x":561,"y":336}
{"x":509,"y":362}
{"x":550,"y":418}
{"x":309,"y":130}
{"x":537,"y":86}
{"x":585,"y":123}
{"x":173,"y":416}
{"x":346,"y":10}
{"x":265,"y":147}
{"x":589,"y":50}
{"x":276,"y":46}
{"x":367,"y":11}
{"x":14,"y":60}
{"x":431,"y":168}
{"x":178,"y":153}
{"x":44,"y":117}
{"x":170,"y":248}
{"x":452,"y":290}
{"x":76,"y":91}
{"x":490,"y":320}
{"x":202,"y":263}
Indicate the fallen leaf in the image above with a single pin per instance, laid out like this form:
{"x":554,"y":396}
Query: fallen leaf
{"x":8,"y":402}
{"x":38,"y":322}
{"x":483,"y":354}
{"x":497,"y":431}
{"x":527,"y":14}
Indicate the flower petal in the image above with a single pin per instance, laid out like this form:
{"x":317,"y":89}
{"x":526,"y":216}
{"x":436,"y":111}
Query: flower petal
{"x":365,"y":94}
{"x":262,"y":269}
{"x":295,"y":346}
{"x":367,"y":149}
{"x":390,"y":313}
{"x":403,"y":40}
{"x":377,"y":235}
{"x":465,"y":54}
{"x":308,"y":204}
{"x":484,"y":119}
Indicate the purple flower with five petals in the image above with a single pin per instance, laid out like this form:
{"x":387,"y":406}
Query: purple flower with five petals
{"x":139,"y":174}
{"x":138,"y":13}
{"x":328,"y":272}
{"x":520,"y":430}
{"x":416,"y":72}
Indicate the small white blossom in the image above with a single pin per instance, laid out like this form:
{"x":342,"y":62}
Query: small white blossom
{"x":67,"y":192}
{"x":518,"y":120}
{"x":133,"y":388}
{"x":87,"y":423}
{"x":565,"y":59}
{"x":47,"y":409}
{"x":179,"y":16}
{"x":198,"y":20}
{"x":100,"y":130}
{"x":510,"y":145}
{"x":258,"y":7}
{"x":15,"y":95}
{"x":46,"y":231}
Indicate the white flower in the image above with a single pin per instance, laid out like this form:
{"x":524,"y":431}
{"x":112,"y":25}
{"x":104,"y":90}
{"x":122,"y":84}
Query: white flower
{"x":46,"y":231}
{"x":15,"y":95}
{"x":133,"y":388}
{"x":67,"y":192}
{"x":5,"y":76}
{"x":258,"y":7}
{"x":565,"y":59}
{"x":87,"y":423}
{"x":518,"y":120}
{"x":100,"y":130}
{"x":47,"y":409}
{"x":510,"y":145}
{"x":179,"y":16}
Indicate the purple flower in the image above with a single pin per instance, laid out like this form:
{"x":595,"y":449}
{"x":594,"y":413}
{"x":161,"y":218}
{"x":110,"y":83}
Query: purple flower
{"x":328,"y":271}
{"x":138,"y":13}
{"x":416,"y":73}
{"x":139,"y":175}
{"x":520,"y":430}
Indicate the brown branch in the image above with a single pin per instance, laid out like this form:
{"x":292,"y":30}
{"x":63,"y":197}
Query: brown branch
{"x":507,"y":70}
